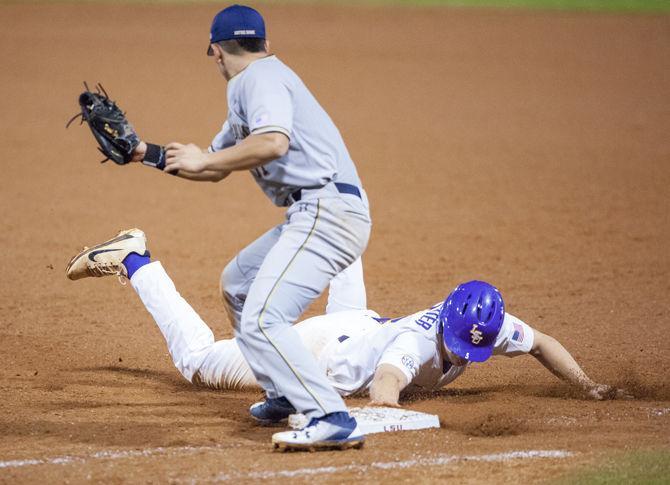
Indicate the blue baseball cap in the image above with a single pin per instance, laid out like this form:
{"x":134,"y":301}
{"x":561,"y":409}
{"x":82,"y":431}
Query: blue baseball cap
{"x":236,"y":22}
{"x":471,"y":319}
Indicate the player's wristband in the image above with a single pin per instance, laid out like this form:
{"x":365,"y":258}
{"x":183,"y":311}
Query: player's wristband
{"x":155,"y":157}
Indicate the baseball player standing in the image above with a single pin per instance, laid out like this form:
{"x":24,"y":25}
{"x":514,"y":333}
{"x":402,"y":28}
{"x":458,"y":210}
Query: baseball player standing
{"x":277,"y":130}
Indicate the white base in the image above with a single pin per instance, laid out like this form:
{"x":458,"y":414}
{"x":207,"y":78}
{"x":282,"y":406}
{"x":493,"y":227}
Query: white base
{"x":380,"y":420}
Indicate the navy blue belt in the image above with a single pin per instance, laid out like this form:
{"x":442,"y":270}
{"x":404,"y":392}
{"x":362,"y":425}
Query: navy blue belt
{"x":341,"y":188}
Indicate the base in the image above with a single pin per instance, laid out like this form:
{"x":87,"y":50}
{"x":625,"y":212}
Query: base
{"x":380,"y":420}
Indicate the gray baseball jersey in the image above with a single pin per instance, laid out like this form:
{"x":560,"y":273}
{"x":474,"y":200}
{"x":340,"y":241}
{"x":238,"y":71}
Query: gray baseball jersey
{"x":269,"y":97}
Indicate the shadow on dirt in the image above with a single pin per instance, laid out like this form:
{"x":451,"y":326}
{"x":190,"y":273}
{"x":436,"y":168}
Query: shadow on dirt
{"x":491,"y":425}
{"x":103,"y":432}
{"x":168,"y":378}
{"x":125,"y":406}
{"x":635,"y":389}
{"x":458,"y":395}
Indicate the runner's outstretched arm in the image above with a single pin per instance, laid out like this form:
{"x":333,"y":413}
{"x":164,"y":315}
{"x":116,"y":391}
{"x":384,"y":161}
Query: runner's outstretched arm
{"x":556,"y":358}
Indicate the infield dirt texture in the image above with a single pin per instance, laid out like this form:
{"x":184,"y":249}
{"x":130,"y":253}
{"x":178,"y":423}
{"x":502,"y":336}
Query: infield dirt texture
{"x":529,"y":149}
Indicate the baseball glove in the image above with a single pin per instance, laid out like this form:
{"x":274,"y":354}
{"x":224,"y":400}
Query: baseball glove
{"x":110,"y":127}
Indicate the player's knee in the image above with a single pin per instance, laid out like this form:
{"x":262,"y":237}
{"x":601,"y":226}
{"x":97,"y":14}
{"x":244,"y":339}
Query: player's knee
{"x":231,"y":279}
{"x":232,"y":292}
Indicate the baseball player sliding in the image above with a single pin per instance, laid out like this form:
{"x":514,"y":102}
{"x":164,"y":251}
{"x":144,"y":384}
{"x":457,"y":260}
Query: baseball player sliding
{"x":356,"y":350}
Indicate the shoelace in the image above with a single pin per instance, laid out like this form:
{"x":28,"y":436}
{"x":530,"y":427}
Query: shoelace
{"x":103,"y":269}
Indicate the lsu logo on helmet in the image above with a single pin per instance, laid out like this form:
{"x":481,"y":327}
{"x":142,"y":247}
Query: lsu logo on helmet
{"x":476,"y":334}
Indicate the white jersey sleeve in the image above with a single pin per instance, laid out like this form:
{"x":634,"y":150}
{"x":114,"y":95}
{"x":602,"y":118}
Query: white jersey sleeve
{"x":408,"y":352}
{"x":269,"y":107}
{"x":223,"y":139}
{"x":515,"y":337}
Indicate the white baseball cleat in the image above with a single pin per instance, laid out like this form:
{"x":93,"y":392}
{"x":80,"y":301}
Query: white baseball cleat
{"x":334,"y":431}
{"x":106,"y":258}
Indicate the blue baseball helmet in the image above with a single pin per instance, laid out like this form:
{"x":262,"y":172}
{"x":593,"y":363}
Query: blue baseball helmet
{"x":471,"y":318}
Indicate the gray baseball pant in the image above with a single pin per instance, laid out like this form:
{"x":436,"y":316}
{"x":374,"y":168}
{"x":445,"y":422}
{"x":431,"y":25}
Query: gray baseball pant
{"x":283,"y":272}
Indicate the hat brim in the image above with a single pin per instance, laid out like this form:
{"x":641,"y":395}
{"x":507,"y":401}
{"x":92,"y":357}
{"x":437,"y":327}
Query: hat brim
{"x":473,"y":353}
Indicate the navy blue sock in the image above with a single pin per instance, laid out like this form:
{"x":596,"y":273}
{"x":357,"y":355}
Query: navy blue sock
{"x":134,"y":261}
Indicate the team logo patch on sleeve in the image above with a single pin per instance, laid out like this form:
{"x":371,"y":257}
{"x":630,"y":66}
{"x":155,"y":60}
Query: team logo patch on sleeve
{"x":262,"y":118}
{"x":408,"y":362}
{"x":517,"y":336}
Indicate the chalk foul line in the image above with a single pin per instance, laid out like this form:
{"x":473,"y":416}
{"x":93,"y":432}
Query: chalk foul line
{"x":437,"y":460}
{"x":109,"y":455}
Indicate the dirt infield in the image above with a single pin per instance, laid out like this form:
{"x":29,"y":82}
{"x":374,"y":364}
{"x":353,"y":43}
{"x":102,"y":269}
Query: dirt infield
{"x":527,"y":149}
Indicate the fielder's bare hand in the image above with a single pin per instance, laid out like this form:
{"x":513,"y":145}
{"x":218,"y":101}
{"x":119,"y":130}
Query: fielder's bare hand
{"x":185,"y":157}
